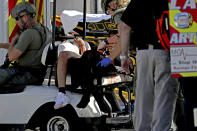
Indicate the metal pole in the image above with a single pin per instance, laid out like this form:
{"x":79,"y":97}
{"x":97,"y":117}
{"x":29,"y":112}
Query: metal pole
{"x":84,"y":19}
{"x":4,"y":30}
{"x":95,"y":6}
{"x":53,"y":24}
{"x":53,"y":39}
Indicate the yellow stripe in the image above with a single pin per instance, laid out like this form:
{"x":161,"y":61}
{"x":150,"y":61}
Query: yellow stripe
{"x":101,"y":37}
{"x":37,"y":7}
{"x":58,"y":20}
{"x":58,"y":16}
{"x":78,"y":27}
{"x":133,"y":60}
{"x":125,"y":94}
{"x":12,"y":25}
{"x":90,"y":36}
{"x":42,"y":11}
{"x":42,"y":14}
{"x":192,"y":74}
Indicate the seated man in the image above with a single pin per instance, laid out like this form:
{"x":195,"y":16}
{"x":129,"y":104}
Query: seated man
{"x":24,"y":49}
{"x":64,"y":56}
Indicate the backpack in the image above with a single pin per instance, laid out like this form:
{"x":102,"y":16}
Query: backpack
{"x":47,"y":51}
{"x":162,"y":29}
{"x":46,"y":37}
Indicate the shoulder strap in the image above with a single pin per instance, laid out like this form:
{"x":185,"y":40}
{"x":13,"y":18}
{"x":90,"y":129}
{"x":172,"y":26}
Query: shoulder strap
{"x":119,"y":11}
{"x":46,"y":37}
{"x":163,"y":30}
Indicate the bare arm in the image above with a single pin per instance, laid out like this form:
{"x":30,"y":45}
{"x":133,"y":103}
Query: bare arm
{"x":125,"y":41}
{"x":125,"y":38}
{"x":81,"y":44}
{"x":115,"y":51}
{"x":14,"y":53}
{"x":117,"y":48}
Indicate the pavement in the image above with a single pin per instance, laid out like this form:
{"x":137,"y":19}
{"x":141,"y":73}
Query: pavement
{"x":34,"y":130}
{"x":124,"y":130}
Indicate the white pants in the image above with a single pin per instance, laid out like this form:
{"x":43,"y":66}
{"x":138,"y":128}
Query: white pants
{"x":156,"y":91}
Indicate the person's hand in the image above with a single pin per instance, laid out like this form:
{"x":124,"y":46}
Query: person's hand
{"x":79,"y":41}
{"x":104,"y":62}
{"x":125,"y":64}
{"x":101,"y":45}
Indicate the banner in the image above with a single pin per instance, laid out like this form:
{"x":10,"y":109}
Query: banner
{"x":183,"y":40}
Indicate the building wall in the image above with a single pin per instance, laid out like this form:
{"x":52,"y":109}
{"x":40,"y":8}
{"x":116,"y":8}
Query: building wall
{"x":3,"y":28}
{"x":71,"y":5}
{"x":78,"y":5}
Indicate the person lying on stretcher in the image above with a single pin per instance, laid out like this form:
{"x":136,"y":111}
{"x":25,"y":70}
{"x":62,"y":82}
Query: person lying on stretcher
{"x":87,"y":64}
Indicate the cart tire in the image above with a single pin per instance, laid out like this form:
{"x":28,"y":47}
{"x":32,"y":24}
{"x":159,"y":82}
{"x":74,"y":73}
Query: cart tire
{"x":58,"y":122}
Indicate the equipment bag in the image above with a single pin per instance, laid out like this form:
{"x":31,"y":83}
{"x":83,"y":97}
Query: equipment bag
{"x":47,"y":51}
{"x":162,"y":28}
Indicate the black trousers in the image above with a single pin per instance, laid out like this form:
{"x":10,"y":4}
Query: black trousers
{"x":14,"y":76}
{"x":189,"y":87}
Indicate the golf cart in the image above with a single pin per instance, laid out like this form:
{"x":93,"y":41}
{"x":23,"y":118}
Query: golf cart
{"x":31,"y":107}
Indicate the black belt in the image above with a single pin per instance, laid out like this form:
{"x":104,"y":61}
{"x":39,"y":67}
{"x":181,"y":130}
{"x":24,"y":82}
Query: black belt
{"x":149,"y":46}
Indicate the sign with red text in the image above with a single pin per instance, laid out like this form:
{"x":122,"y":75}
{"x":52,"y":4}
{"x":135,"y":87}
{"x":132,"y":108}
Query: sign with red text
{"x":183,"y":40}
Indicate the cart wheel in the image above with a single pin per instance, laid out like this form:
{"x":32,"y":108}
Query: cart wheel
{"x":58,"y":122}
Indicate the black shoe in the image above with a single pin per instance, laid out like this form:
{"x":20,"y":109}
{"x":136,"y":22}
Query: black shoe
{"x":84,"y":101}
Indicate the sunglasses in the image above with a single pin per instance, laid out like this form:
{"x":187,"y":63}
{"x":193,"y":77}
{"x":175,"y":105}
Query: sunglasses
{"x":19,"y":17}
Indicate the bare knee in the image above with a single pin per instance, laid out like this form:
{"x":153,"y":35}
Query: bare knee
{"x":64,"y":56}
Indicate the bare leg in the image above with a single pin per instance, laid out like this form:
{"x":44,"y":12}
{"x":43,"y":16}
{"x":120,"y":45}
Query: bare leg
{"x":62,"y":66}
{"x":62,"y":69}
{"x":62,"y":99}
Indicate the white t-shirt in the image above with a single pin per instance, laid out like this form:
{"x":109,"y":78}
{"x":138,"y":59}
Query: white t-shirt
{"x":71,"y":46}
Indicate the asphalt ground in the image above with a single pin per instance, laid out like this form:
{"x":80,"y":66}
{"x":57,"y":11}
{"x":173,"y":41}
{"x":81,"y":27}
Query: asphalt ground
{"x":32,"y":130}
{"x":124,"y":130}
{"x":5,"y":128}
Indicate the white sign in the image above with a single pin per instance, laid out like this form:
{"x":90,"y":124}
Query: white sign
{"x":183,"y":59}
